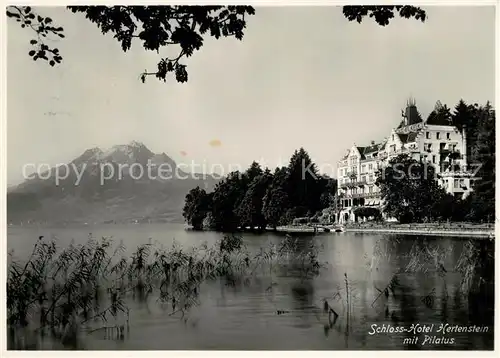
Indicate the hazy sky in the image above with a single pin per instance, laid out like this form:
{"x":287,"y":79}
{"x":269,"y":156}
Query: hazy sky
{"x":302,"y":76}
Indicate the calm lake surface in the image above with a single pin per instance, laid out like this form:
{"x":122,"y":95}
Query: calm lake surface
{"x":245,"y":318}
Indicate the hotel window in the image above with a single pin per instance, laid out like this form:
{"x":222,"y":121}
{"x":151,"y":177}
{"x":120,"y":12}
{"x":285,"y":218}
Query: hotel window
{"x":393,"y":148}
{"x":371,"y":178}
{"x":363,"y":168}
{"x":370,"y":189}
{"x":428,"y":147}
{"x":447,"y":135}
{"x":438,"y":135}
{"x":433,"y":159}
{"x":370,"y":167}
{"x":427,"y":135}
{"x":455,"y":183}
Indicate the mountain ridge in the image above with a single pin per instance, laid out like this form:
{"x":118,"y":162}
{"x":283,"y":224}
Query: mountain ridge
{"x":126,"y":182}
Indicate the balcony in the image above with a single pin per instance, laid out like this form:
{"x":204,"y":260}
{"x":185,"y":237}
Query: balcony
{"x":362,"y":195}
{"x":348,"y":185}
{"x":354,"y":184}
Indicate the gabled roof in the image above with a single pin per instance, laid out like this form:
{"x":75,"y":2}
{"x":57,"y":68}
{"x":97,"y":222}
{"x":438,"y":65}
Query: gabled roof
{"x":407,"y":137}
{"x":372,"y":148}
{"x":364,"y":151}
{"x":361,"y":150}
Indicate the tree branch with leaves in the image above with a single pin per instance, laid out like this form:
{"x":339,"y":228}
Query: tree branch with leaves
{"x":185,"y":27}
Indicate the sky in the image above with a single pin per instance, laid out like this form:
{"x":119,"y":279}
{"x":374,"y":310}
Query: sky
{"x":301,"y":77}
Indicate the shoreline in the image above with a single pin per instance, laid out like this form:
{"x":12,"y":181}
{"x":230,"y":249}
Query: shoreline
{"x":428,"y":232}
{"x":405,"y":229}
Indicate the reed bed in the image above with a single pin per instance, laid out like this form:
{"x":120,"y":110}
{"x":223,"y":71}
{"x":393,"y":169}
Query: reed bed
{"x":82,"y":289}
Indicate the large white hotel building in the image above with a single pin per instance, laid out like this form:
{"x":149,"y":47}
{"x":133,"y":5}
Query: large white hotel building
{"x":431,"y":141}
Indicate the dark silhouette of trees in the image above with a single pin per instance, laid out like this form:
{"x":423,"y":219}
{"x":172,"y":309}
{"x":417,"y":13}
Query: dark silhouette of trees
{"x":196,"y":207}
{"x":483,"y":154}
{"x":276,"y":201}
{"x":157,"y":27}
{"x":259,"y":198}
{"x":250,"y":209}
{"x":409,"y":189}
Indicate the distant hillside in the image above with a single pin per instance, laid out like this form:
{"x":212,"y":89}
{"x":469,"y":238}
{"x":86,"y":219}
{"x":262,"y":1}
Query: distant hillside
{"x":125,"y":196}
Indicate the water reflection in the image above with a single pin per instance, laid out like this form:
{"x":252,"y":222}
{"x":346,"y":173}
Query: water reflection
{"x":381,"y":280}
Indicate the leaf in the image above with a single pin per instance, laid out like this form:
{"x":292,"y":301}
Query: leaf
{"x":181,"y":74}
{"x":52,"y":63}
{"x":48,"y":20}
{"x":11,"y":14}
{"x":61,"y":35}
{"x":33,"y":42}
{"x":32,"y":53}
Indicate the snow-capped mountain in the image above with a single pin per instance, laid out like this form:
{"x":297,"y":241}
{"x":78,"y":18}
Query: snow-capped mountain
{"x":125,"y":194}
{"x":133,"y":152}
{"x":123,"y":157}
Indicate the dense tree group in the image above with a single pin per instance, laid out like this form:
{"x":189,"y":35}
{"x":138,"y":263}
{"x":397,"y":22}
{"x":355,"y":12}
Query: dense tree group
{"x":408,"y":187}
{"x":258,"y":198}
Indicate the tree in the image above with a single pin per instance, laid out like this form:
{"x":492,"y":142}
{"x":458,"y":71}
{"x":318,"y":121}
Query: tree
{"x":253,"y":172}
{"x":275,"y":206}
{"x":303,"y":184}
{"x":441,"y":115}
{"x":157,"y":27}
{"x":483,"y":153}
{"x":276,"y":201}
{"x":250,"y":209}
{"x":327,"y":198}
{"x":196,"y":207}
{"x":227,"y":196}
{"x":409,"y":189}
{"x":463,"y":115}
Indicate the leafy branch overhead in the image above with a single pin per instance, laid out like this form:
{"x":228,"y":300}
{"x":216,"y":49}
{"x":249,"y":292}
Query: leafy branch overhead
{"x":383,"y":14}
{"x":183,"y":27}
{"x":42,"y":26}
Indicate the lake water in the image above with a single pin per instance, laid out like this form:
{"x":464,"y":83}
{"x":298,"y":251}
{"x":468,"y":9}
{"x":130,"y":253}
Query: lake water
{"x":245,"y":318}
